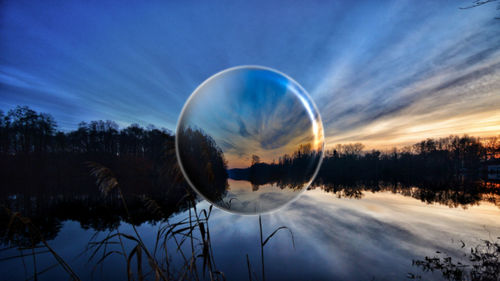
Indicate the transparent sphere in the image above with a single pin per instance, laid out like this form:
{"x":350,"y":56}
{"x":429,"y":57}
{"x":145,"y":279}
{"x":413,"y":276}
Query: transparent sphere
{"x":249,"y":140}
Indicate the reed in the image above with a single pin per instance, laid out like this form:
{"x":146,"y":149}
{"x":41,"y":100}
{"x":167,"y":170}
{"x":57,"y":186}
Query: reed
{"x":19,"y":223}
{"x":482,"y":263}
{"x":187,"y":240}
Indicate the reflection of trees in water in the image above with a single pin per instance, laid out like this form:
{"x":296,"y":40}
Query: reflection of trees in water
{"x":450,"y":193}
{"x":44,"y":178}
{"x":52,"y":188}
{"x":204,"y":163}
{"x":290,"y":172}
{"x":25,"y":235}
{"x":92,"y":211}
{"x":49,"y":209}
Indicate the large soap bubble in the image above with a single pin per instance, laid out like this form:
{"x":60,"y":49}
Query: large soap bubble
{"x":249,"y":140}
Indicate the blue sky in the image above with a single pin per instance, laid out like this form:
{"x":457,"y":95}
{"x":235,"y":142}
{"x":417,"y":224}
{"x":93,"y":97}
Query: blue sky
{"x":253,"y":111}
{"x":381,"y":72}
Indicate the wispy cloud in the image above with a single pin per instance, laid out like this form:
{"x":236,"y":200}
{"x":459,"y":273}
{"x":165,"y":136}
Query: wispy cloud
{"x":385,"y":73}
{"x":253,"y":118}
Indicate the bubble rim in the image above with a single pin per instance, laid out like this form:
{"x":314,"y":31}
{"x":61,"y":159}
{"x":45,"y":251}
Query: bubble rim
{"x":309,"y":99}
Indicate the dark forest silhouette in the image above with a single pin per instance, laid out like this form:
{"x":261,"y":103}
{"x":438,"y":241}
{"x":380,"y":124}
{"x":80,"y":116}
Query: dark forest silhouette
{"x":429,"y":159}
{"x":291,"y":171}
{"x":204,"y":163}
{"x":45,"y":175}
{"x":24,"y":132}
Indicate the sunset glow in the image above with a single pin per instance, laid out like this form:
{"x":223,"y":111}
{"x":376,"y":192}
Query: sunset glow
{"x":382,"y":75}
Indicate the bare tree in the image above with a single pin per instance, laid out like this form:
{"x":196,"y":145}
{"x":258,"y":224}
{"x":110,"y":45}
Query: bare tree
{"x":255,"y":159}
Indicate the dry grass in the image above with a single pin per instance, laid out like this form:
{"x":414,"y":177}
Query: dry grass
{"x":187,"y":240}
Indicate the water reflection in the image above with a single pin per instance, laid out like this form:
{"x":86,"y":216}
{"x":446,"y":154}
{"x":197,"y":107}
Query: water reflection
{"x":343,"y":230}
{"x":262,"y":187}
{"x":252,"y":198}
{"x":343,"y":238}
{"x":50,"y":209}
{"x":452,"y":193}
{"x":204,"y":162}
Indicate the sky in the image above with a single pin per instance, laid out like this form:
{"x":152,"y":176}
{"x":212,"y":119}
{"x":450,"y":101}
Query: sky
{"x":384,"y":73}
{"x":253,"y":111}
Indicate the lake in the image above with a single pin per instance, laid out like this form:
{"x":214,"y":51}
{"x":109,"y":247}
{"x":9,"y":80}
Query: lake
{"x":344,"y":234}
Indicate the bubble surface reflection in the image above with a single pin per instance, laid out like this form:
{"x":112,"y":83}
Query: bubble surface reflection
{"x":249,"y":140}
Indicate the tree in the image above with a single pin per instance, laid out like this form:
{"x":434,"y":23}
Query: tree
{"x":30,"y":132}
{"x":204,"y":163}
{"x":255,"y":159}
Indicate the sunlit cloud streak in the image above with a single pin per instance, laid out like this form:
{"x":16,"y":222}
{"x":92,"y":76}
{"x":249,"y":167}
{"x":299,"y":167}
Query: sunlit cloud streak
{"x":385,"y":73}
{"x":252,"y":111}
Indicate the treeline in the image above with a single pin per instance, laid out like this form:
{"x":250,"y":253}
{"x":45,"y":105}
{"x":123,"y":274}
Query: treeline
{"x":290,"y":171}
{"x":24,"y":131}
{"x":45,"y":174}
{"x":438,"y":160}
{"x":432,"y":158}
{"x":204,"y":163}
{"x":36,"y":158}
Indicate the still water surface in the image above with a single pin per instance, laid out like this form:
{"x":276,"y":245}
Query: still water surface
{"x":372,"y":238}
